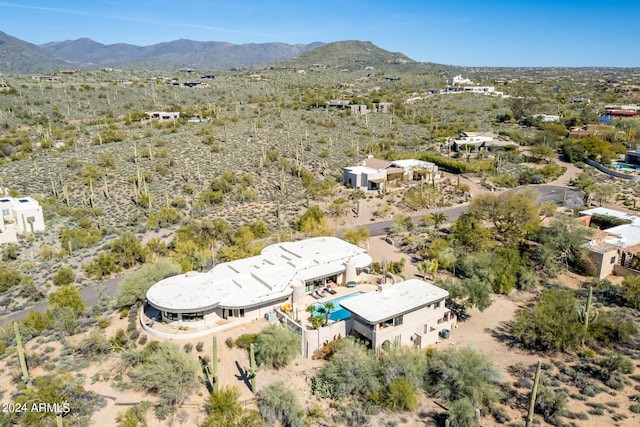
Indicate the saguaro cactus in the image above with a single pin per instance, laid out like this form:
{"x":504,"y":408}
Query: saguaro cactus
{"x":252,"y":369}
{"x":23,"y":362}
{"x":214,"y":365}
{"x":585,"y":315}
{"x":534,"y":392}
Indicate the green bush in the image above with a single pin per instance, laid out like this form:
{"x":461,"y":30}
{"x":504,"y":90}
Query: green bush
{"x":279,"y":404}
{"x":64,"y":276}
{"x":276,"y":346}
{"x":164,"y":369}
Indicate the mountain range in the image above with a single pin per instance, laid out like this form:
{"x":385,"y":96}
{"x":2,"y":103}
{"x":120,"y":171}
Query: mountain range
{"x":18,"y":56}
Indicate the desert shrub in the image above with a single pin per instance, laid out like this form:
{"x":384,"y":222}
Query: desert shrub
{"x":462,"y":414}
{"x":127,"y":250}
{"x":164,"y":217}
{"x":67,"y":296}
{"x":64,"y":276}
{"x":38,"y":321}
{"x":224,"y":409}
{"x":401,"y":395}
{"x":167,"y":371}
{"x":57,"y":388}
{"x":462,"y":374}
{"x":356,"y":235}
{"x":134,"y":287}
{"x":134,"y":417}
{"x":9,"y":278}
{"x":278,"y":403}
{"x":243,"y":341}
{"x":199,"y":346}
{"x":276,"y":345}
{"x":103,"y":265}
{"x":552,"y":405}
{"x":631,"y":285}
{"x":349,"y":373}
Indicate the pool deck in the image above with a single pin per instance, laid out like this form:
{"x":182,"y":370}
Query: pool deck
{"x":340,"y":292}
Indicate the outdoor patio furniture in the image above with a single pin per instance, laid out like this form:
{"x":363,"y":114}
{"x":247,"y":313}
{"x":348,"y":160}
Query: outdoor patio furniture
{"x":330,"y":290}
{"x":315,"y":295}
{"x":321,"y":293}
{"x":351,"y":285}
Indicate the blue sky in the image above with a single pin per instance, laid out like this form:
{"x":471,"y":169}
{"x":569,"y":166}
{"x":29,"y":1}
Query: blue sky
{"x":463,"y":32}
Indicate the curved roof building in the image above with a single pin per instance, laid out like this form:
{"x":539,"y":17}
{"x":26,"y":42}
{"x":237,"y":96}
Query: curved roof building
{"x":241,"y":287}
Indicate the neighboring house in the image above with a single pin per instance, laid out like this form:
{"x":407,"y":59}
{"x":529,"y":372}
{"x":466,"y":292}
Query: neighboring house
{"x":615,"y":246}
{"x":373,"y":174}
{"x":633,"y":156}
{"x":459,"y":80}
{"x":418,"y":169}
{"x":163,"y":115}
{"x":377,"y":107}
{"x":19,"y":216}
{"x":364,"y":177}
{"x":474,"y":141}
{"x":412,"y":312}
{"x":591,"y":130}
{"x":547,"y":117}
{"x":247,"y":289}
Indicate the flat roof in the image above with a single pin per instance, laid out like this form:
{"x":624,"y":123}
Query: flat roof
{"x":403,"y":297}
{"x":363,"y":169}
{"x":257,"y":280}
{"x":406,"y":163}
{"x":622,"y":236}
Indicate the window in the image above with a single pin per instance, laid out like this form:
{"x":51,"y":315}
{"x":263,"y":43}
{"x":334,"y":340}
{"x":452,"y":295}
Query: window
{"x":436,"y":305}
{"x":613,"y":260}
{"x":397,"y":321}
{"x":425,"y":328}
{"x":171,"y":316}
{"x":193,"y":317}
{"x":31,"y":219}
{"x":5,"y":212}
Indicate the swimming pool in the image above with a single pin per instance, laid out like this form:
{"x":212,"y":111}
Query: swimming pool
{"x":337,"y":313}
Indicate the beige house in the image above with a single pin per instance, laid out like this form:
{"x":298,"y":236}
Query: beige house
{"x":412,"y":312}
{"x":613,"y":249}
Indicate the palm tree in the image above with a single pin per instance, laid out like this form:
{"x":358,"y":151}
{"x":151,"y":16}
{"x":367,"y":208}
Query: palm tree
{"x":428,"y":266}
{"x":328,"y":306}
{"x":438,"y":218}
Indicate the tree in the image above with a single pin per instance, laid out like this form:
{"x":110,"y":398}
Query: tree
{"x":276,"y":345}
{"x":278,"y":404}
{"x":67,"y":296}
{"x":470,"y":234}
{"x":552,"y":324}
{"x":134,"y":287}
{"x":468,"y":293}
{"x":428,"y":266}
{"x":514,"y":214}
{"x":312,"y":222}
{"x":134,"y":417}
{"x":438,"y":218}
{"x":561,"y":244}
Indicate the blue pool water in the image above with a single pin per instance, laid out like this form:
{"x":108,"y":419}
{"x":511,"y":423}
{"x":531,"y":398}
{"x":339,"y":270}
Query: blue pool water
{"x":338,"y":313}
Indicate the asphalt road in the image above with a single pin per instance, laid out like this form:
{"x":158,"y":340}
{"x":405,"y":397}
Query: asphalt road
{"x":557,"y":194}
{"x":548,"y":193}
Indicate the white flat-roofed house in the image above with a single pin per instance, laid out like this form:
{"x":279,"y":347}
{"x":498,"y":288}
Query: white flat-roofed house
{"x":364,"y":177}
{"x":412,"y":312}
{"x":245,"y":290}
{"x":19,"y":216}
{"x":416,"y":169}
